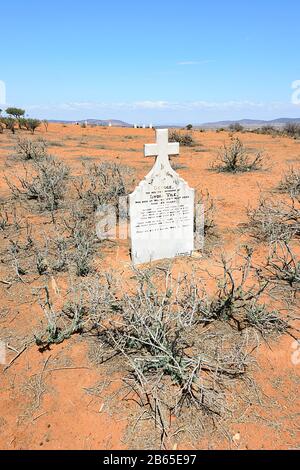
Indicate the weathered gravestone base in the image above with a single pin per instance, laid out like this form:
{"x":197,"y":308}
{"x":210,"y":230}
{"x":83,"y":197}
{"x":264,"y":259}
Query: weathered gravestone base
{"x":161,"y":208}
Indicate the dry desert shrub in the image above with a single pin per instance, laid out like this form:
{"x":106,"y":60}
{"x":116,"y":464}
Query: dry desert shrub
{"x":53,"y":256}
{"x":175,"y":363}
{"x":282,"y":268}
{"x":236,"y":300}
{"x":184,"y":139}
{"x":236,"y":127}
{"x":104,"y":183}
{"x":268,"y":130}
{"x":292,"y":129}
{"x":86,"y":307}
{"x":275,"y":220}
{"x":45,"y":183}
{"x":234,"y":158}
{"x":84,"y":247}
{"x":58,"y":327}
{"x":28,"y":149}
{"x":160,"y":326}
{"x":4,"y":217}
{"x":290,"y":182}
{"x":151,"y":335}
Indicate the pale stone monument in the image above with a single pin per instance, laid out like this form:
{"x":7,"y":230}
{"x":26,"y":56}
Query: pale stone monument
{"x":161,"y":208}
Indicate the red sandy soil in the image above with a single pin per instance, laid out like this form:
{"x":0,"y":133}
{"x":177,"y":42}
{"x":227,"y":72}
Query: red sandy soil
{"x":44,"y":402}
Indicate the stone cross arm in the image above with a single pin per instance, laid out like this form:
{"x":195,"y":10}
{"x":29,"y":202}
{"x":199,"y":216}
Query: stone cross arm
{"x":163,"y":148}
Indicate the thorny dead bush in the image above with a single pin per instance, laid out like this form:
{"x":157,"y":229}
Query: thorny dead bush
{"x":28,"y":149}
{"x":4,"y":217}
{"x":85,"y":308}
{"x":77,"y":216}
{"x":183,"y":139}
{"x":282,"y":268}
{"x":275,"y":220}
{"x":104,"y":183}
{"x":58,"y":328}
{"x":152,"y":338}
{"x":290,"y":183}
{"x":236,"y":300}
{"x":54,"y":256}
{"x":160,"y":328}
{"x":235,"y":158}
{"x":48,"y":185}
{"x":60,"y":253}
{"x":9,"y":216}
{"x":162,"y":334}
{"x":81,"y":236}
{"x":84,"y":246}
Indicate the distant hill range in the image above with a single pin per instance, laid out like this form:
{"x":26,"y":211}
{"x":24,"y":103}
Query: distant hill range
{"x":247,"y":123}
{"x":250,"y":123}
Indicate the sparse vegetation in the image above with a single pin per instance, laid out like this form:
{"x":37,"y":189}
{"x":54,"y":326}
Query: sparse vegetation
{"x":235,"y":158}
{"x":240,"y":303}
{"x":10,"y":123}
{"x":275,"y":220}
{"x":236,"y":127}
{"x":15,"y":112}
{"x":28,"y":149}
{"x":282,"y":268}
{"x":291,"y":183}
{"x":84,"y":248}
{"x":33,"y":124}
{"x":47,"y":186}
{"x":184,"y":139}
{"x":46,"y":124}
{"x":104,"y":183}
{"x":292,"y":129}
{"x":175,"y":341}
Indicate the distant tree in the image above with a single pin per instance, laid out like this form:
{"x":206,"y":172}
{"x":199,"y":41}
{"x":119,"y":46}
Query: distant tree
{"x":22,"y":123}
{"x":189,"y":127}
{"x":292,"y":129}
{"x":33,"y":124}
{"x":236,"y":127}
{"x":46,"y":124}
{"x":10,"y":123}
{"x":1,"y":124}
{"x":15,"y":112}
{"x":184,"y":139}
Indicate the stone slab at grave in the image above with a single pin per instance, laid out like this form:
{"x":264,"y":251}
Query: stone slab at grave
{"x":161,"y":208}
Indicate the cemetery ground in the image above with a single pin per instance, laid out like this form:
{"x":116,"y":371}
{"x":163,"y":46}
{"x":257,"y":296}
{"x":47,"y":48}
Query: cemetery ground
{"x":199,"y":352}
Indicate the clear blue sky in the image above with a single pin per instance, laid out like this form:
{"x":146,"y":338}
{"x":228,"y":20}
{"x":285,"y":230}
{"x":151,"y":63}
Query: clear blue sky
{"x":164,"y":61}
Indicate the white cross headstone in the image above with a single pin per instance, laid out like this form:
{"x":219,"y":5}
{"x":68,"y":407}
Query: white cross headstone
{"x":150,"y":126}
{"x":109,"y":125}
{"x":135,"y":126}
{"x":144,"y":126}
{"x":161,"y":208}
